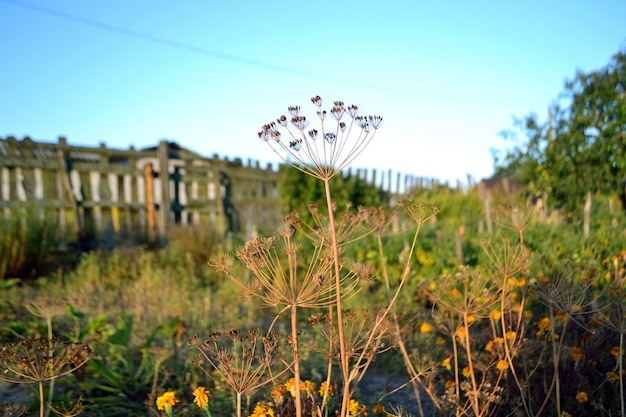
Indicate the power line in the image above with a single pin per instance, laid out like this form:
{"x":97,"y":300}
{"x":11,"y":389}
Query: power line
{"x":251,"y":62}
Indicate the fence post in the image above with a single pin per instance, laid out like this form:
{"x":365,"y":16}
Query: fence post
{"x":149,"y":178}
{"x":164,"y":176}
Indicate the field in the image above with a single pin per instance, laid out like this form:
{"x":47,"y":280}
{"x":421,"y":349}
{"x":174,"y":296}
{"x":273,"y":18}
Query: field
{"x":526,"y":321}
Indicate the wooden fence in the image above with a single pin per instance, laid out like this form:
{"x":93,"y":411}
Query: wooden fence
{"x":102,"y":197}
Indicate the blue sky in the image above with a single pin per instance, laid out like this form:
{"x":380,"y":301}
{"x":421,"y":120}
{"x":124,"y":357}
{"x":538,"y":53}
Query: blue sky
{"x":446,"y":76}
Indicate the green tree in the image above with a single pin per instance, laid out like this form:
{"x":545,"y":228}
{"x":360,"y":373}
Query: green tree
{"x":583,"y":148}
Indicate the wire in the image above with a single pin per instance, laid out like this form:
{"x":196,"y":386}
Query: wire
{"x":251,"y":62}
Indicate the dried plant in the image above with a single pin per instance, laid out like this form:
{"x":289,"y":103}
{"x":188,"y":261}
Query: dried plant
{"x":41,"y":360}
{"x":244,"y":362}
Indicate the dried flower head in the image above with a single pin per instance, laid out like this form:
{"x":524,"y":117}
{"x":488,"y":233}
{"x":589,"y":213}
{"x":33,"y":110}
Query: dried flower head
{"x":321,"y":159}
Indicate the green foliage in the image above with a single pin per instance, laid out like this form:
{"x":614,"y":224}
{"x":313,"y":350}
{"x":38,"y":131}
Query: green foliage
{"x":583,"y":148}
{"x":297,"y":189}
{"x":26,"y":239}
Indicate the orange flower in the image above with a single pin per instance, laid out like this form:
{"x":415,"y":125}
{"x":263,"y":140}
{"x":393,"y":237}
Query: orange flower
{"x":616,"y":351}
{"x":576,"y":353}
{"x":450,"y":384}
{"x":502,"y":365}
{"x":378,"y":409}
{"x":440,"y":341}
{"x":582,"y":397}
{"x":489,"y":346}
{"x":495,"y":315}
{"x":426,"y":327}
{"x":612,"y":376}
{"x":510,"y":335}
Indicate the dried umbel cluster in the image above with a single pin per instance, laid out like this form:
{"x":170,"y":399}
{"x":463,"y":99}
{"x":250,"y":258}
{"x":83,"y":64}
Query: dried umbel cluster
{"x":323,"y":153}
{"x":244,"y":361}
{"x":40,"y":360}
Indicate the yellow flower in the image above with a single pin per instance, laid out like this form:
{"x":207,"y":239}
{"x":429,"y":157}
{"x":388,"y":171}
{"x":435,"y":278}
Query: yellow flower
{"x":263,"y":411}
{"x":545,"y":324}
{"x":467,"y":372}
{"x":489,"y":346}
{"x":471,"y":319}
{"x":576,"y":353}
{"x":450,"y":384}
{"x":495,"y":315}
{"x":355,"y":408}
{"x":510,"y":335}
{"x":446,"y":363}
{"x":201,"y":397}
{"x":291,"y":386}
{"x":502,"y":365}
{"x":166,"y":401}
{"x":582,"y":397}
{"x":565,"y":414}
{"x":461,"y":331}
{"x":616,"y":351}
{"x":426,"y":327}
{"x":612,"y":376}
{"x":455,"y":293}
{"x":440,"y":341}
{"x":308,"y":386}
{"x":322,"y":390}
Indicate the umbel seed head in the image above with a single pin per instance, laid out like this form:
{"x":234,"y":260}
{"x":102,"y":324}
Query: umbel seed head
{"x":346,"y":134}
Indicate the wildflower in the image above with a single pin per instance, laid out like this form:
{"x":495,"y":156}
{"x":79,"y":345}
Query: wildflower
{"x":450,"y":384}
{"x":378,"y":409}
{"x":616,"y":351}
{"x":471,"y":319}
{"x":612,"y":376}
{"x":322,"y":390}
{"x":446,"y":363}
{"x":455,"y":293}
{"x":466,"y":372}
{"x":278,"y":394}
{"x":290,"y":385}
{"x":426,"y":327}
{"x":502,"y":365}
{"x":201,"y":397}
{"x":545,"y":324}
{"x":576,"y":353}
{"x":262,"y":411}
{"x":308,"y":386}
{"x":440,"y":341}
{"x":355,"y":408}
{"x":582,"y":397}
{"x":166,"y":402}
{"x":510,"y":335}
{"x":489,"y":346}
{"x":565,"y":414}
{"x":461,"y":331}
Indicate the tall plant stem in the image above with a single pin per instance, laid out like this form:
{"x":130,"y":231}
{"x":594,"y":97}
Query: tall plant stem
{"x":340,"y":331}
{"x":42,"y":403}
{"x":296,"y":359}
{"x":621,"y":370}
